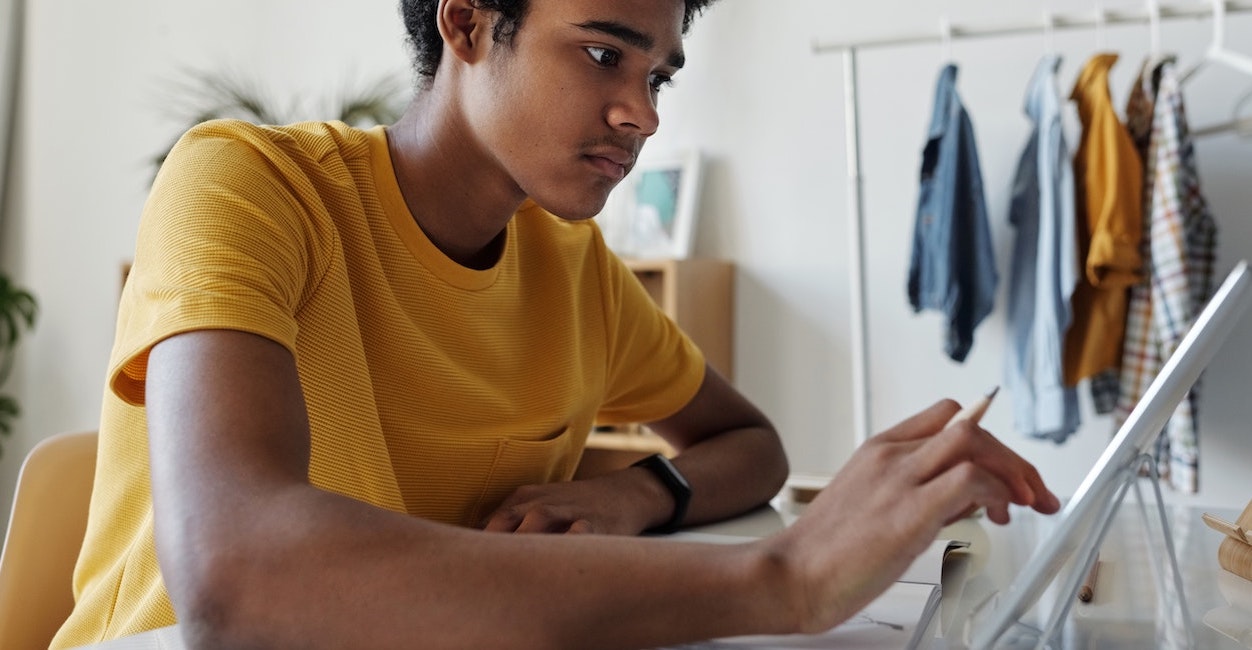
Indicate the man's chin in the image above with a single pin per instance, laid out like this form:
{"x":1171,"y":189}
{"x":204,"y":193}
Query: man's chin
{"x":574,"y":211}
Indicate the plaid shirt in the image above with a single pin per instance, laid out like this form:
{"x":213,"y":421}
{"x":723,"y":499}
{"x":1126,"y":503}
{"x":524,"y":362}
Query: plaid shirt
{"x":1178,"y":252}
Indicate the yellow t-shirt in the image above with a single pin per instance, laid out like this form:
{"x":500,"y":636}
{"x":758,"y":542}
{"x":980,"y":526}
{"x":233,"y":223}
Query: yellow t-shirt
{"x":432,"y":389}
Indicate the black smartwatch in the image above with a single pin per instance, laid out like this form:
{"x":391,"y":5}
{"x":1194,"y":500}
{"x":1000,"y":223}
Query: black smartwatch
{"x":677,"y":485}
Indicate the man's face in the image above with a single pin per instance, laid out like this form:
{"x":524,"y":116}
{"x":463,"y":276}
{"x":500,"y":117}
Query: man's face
{"x":566,"y":110}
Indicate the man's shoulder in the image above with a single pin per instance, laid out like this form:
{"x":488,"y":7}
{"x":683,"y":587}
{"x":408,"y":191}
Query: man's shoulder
{"x":308,"y":142}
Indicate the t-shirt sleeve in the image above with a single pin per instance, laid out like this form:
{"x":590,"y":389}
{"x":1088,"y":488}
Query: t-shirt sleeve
{"x":222,"y":244}
{"x":654,"y":369}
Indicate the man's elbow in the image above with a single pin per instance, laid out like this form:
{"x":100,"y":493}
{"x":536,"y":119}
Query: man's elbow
{"x":207,"y":590}
{"x":777,"y":468}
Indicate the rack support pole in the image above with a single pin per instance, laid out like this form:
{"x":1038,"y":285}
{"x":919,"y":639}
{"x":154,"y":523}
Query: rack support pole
{"x":856,"y":253}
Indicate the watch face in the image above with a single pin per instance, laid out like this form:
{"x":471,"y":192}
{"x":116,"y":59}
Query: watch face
{"x":673,"y":471}
{"x":675,"y":483}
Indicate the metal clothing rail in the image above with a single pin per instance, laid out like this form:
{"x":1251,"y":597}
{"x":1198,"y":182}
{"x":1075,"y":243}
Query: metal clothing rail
{"x":1056,"y":22}
{"x":1151,"y":15}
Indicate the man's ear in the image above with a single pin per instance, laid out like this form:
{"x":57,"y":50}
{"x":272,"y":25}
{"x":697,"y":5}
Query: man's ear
{"x":465,"y":29}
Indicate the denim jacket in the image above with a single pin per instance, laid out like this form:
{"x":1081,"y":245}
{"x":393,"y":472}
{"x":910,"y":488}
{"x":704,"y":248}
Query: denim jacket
{"x":1044,"y":269}
{"x":953,"y":265}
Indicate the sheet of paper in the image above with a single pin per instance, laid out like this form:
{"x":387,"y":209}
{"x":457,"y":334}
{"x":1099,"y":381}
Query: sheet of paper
{"x":928,"y":567}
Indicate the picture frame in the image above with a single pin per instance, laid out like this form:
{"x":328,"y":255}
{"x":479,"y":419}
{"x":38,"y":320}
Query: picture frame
{"x":652,"y":213}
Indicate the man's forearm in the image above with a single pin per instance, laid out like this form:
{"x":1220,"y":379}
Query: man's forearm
{"x":314,"y":569}
{"x":728,"y":451}
{"x":732,"y":473}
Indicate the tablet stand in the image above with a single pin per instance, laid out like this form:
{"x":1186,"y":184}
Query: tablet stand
{"x":1049,"y":636}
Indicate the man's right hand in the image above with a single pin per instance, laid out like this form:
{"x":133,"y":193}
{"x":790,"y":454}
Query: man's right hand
{"x":887,"y":504}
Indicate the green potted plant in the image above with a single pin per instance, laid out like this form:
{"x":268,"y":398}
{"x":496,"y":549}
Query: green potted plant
{"x":18,"y":310}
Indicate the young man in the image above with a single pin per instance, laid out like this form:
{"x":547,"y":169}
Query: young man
{"x":336,"y":343}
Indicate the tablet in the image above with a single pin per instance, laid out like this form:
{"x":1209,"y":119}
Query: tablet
{"x":1082,"y":521}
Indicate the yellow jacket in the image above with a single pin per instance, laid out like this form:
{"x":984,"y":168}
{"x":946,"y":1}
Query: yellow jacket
{"x":1109,"y":189}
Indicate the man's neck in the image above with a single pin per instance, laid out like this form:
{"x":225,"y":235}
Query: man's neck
{"x":459,"y":198}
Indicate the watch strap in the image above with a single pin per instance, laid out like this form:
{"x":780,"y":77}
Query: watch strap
{"x":675,"y":482}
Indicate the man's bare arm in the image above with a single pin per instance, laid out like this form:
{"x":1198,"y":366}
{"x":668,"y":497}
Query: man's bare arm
{"x":254,"y":556}
{"x":728,"y":451}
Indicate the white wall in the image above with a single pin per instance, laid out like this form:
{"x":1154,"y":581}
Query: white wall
{"x":768,"y":114}
{"x":96,"y":108}
{"x":772,"y":115}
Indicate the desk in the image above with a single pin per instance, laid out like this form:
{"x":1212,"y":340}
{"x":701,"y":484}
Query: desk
{"x":1126,"y":610}
{"x":1123,"y":615}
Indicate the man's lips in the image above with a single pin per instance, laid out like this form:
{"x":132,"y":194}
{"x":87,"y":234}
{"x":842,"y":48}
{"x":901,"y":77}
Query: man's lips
{"x":613,"y":162}
{"x":608,"y":167}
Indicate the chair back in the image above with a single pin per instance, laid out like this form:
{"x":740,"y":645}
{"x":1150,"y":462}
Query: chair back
{"x":46,"y":529}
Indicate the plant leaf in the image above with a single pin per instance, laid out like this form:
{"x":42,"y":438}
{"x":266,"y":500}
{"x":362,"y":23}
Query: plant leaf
{"x":203,"y":95}
{"x":18,"y":312}
{"x":8,"y":412}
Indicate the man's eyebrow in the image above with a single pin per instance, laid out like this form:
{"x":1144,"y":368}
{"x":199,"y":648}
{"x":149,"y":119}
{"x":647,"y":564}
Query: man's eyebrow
{"x":632,"y":37}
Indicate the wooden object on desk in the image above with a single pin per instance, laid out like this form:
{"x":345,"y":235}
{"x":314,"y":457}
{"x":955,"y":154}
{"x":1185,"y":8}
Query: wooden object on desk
{"x":1235,"y":553}
{"x":698,"y":294}
{"x":1245,"y":518}
{"x":1235,"y":557}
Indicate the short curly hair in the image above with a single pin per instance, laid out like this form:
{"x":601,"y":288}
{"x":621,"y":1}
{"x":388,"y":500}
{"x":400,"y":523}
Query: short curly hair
{"x":419,"y":21}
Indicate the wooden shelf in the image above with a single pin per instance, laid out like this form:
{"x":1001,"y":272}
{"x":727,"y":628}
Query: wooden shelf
{"x":608,"y":451}
{"x":698,"y":294}
{"x":640,"y":441}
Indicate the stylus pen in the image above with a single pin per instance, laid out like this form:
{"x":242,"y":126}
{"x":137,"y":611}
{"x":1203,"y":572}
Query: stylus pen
{"x":975,"y":411}
{"x":1087,"y":591}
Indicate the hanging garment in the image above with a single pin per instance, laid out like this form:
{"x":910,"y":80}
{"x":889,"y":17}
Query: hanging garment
{"x":1044,"y":269}
{"x":952,"y":268}
{"x":1109,"y":175}
{"x":1178,"y":251}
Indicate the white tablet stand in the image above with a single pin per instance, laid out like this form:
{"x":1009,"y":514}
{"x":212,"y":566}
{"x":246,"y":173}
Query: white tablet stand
{"x":1070,"y":580}
{"x":1086,"y":518}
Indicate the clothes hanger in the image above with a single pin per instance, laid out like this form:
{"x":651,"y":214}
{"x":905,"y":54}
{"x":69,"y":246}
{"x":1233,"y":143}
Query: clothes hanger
{"x":1154,"y":27}
{"x":945,"y":39}
{"x":1243,"y":123}
{"x":1217,"y":51}
{"x":1239,"y":122}
{"x":1049,"y":23}
{"x":1155,"y":54}
{"x":1242,"y":63}
{"x":1101,"y":21}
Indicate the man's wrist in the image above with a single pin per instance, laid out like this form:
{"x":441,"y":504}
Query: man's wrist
{"x":674,"y":484}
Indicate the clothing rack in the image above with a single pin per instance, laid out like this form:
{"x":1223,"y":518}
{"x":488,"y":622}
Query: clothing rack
{"x":1151,"y":15}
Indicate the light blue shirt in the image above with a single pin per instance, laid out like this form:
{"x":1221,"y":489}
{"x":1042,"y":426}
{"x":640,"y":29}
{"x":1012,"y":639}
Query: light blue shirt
{"x":1044,"y":269}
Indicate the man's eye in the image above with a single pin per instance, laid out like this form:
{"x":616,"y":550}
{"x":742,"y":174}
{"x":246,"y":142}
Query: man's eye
{"x":659,"y":81}
{"x":604,"y":56}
